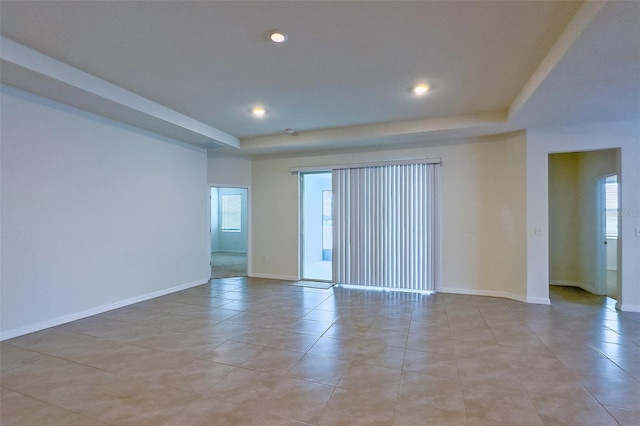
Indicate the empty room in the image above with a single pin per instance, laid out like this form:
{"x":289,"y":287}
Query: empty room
{"x":319,"y":213}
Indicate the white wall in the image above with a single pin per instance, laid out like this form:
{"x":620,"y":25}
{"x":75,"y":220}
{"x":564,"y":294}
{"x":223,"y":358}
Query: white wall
{"x":483,"y":191}
{"x":94,"y":214}
{"x":542,"y":142}
{"x":564,"y":219}
{"x":228,"y":171}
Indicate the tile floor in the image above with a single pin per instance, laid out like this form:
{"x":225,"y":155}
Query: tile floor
{"x":258,"y":352}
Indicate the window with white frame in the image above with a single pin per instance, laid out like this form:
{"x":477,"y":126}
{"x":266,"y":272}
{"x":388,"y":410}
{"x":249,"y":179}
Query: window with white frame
{"x":231,"y":212}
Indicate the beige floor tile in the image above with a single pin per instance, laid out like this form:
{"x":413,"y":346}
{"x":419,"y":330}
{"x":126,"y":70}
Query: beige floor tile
{"x":233,"y":353}
{"x":192,"y":375}
{"x":346,"y":331}
{"x":518,"y":339}
{"x":530,"y":357}
{"x":561,"y":411}
{"x":244,"y":385}
{"x":631,"y":367}
{"x":294,"y":399}
{"x":400,"y":325}
{"x":616,"y":393}
{"x":307,"y":326}
{"x":356,"y":319}
{"x":442,"y":393}
{"x":19,"y":409}
{"x":430,"y":343}
{"x":487,"y":369}
{"x":624,"y":416}
{"x":498,"y":413}
{"x":226,"y":329}
{"x":435,"y":328}
{"x":210,"y":411}
{"x":618,"y":350}
{"x":274,"y":359}
{"x":561,"y":383}
{"x":120,"y":357}
{"x":371,"y":378}
{"x":592,"y":365}
{"x":480,"y":394}
{"x":13,"y":356}
{"x":129,"y":405}
{"x":213,"y":314}
{"x":73,"y":346}
{"x":174,"y":341}
{"x":157,"y":305}
{"x":49,"y":377}
{"x":129,"y":314}
{"x":435,"y":364}
{"x":111,"y":329}
{"x":319,"y":369}
{"x":263,"y":321}
{"x":279,"y":339}
{"x":411,"y":414}
{"x":46,"y":337}
{"x":100,"y":395}
{"x":383,"y":356}
{"x":350,"y":407}
{"x":184,"y":323}
{"x":322,"y":316}
{"x":381,"y":337}
{"x":337,"y":348}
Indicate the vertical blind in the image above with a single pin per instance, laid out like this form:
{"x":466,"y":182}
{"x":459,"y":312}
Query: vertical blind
{"x":385,"y":226}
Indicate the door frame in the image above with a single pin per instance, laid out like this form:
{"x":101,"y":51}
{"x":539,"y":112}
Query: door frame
{"x":249,"y":233}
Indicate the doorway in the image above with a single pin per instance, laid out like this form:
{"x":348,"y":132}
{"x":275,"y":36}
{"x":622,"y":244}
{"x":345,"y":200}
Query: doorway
{"x":229,"y":232}
{"x":583,"y":221}
{"x":317,"y":226}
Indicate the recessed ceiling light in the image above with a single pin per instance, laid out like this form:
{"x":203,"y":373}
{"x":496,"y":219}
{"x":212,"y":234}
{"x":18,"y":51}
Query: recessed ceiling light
{"x":278,"y":36}
{"x":420,"y":89}
{"x":258,"y":111}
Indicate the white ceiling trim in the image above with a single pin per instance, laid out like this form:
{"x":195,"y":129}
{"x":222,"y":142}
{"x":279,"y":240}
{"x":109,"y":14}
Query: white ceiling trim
{"x":29,"y":59}
{"x":497,"y":121}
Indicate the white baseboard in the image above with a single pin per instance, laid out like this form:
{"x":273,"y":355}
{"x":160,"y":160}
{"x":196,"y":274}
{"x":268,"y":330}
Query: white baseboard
{"x":538,"y":300}
{"x":471,"y":292}
{"x":274,"y":277}
{"x":493,"y":293}
{"x":625,"y":307}
{"x":10,"y":334}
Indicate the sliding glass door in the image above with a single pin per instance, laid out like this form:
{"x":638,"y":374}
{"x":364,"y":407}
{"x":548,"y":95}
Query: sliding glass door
{"x":317,"y":226}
